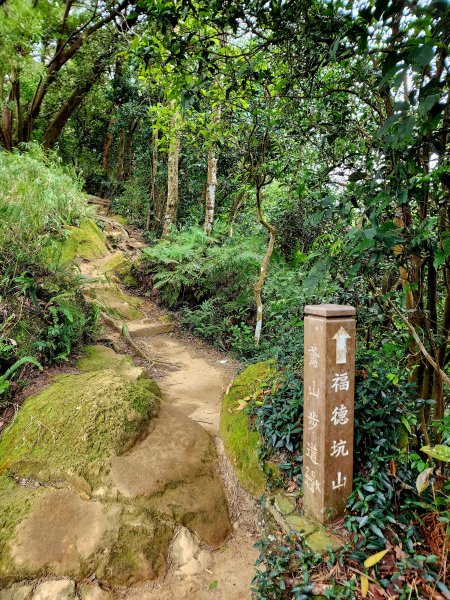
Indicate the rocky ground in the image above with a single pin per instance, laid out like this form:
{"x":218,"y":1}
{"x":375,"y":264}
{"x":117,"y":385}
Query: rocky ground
{"x":113,"y":479}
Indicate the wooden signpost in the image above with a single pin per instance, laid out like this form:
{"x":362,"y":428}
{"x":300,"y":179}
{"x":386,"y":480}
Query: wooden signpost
{"x":329,"y":382}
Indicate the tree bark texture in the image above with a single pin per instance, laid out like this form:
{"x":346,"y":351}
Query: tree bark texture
{"x":153,"y":190}
{"x":170,"y":217}
{"x":211,"y":183}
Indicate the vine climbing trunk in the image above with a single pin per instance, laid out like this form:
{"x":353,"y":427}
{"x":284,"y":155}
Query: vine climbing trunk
{"x":264,"y":264}
{"x":170,"y":217}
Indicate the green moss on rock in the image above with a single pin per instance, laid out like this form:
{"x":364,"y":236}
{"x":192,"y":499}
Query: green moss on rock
{"x":140,"y":550}
{"x":117,"y":264}
{"x":74,"y":425}
{"x":240,"y":442}
{"x":119,"y":219}
{"x":86,"y":241}
{"x":115,"y":302}
{"x":99,"y":357}
{"x":16,"y":503}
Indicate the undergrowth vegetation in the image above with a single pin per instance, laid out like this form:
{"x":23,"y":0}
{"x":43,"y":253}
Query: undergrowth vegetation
{"x":275,"y":154}
{"x":42,"y":312}
{"x":210,"y":280}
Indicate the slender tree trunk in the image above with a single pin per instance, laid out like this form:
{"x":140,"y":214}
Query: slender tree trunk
{"x":265,"y":262}
{"x":170,"y":217}
{"x":153,"y":191}
{"x":107,"y":145}
{"x":121,"y":155}
{"x":237,"y":203}
{"x":211,"y":183}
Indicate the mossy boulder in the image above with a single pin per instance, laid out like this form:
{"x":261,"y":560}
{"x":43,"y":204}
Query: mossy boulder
{"x":97,"y":357}
{"x":95,"y":476}
{"x":241,"y":443}
{"x":116,"y":303}
{"x":119,"y":219}
{"x":86,"y":241}
{"x":140,"y":549}
{"x":75,"y":424}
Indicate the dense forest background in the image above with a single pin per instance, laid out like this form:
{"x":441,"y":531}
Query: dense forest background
{"x":275,"y":154}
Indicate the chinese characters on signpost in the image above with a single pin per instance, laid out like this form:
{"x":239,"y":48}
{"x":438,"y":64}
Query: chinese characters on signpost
{"x":328,"y":409}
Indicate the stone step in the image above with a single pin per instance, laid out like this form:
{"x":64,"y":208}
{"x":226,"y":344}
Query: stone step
{"x":148,"y":328}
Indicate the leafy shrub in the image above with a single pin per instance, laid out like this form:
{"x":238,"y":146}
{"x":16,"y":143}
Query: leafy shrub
{"x":212,"y":280}
{"x":43,"y":313}
{"x":132,"y":202}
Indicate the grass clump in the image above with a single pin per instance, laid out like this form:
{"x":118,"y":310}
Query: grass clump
{"x":43,"y":313}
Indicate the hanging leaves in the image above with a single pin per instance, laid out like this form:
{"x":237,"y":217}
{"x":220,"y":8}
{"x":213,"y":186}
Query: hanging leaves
{"x":423,"y":481}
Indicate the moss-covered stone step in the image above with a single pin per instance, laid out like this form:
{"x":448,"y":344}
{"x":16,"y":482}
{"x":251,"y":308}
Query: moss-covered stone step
{"x":149,"y":328}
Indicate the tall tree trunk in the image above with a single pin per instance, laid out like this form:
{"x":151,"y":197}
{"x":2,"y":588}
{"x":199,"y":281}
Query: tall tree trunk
{"x":107,"y":145}
{"x":67,"y":109}
{"x":121,"y":155}
{"x":211,"y":183}
{"x":265,"y":262}
{"x":211,"y":190}
{"x":8,"y":113}
{"x":153,"y":191}
{"x":170,"y":217}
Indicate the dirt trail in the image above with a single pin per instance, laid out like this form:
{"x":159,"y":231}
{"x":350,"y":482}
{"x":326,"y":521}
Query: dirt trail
{"x":193,"y":378}
{"x":166,"y":518}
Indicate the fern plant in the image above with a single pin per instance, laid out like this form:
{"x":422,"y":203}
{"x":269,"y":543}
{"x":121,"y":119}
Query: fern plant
{"x":5,"y":378}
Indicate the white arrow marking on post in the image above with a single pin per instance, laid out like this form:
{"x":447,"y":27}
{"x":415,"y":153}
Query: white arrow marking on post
{"x":341,"y":338}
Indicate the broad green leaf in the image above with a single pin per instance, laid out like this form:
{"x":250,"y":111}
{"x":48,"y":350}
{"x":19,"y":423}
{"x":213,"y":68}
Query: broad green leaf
{"x":374,"y":559}
{"x":438,"y":452}
{"x":423,"y":481}
{"x":427,"y":103}
{"x":406,"y":424}
{"x":421,"y":55}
